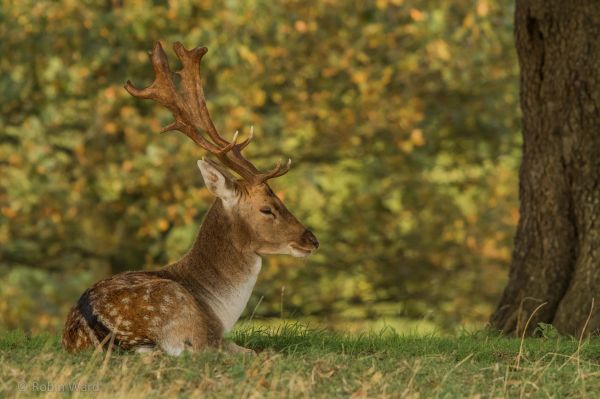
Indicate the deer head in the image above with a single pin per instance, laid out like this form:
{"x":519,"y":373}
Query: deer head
{"x":263,"y":223}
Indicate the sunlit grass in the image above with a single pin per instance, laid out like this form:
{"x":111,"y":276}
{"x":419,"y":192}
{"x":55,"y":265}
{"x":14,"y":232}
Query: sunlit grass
{"x":352,"y":325}
{"x":294,"y":361}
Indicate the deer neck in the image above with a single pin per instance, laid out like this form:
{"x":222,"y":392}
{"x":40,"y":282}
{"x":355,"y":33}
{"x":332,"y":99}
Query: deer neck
{"x":221,"y":268}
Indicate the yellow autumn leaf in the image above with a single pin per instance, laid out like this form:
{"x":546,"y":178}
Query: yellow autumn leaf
{"x":259,"y":97}
{"x":359,"y":77}
{"x":381,"y":4}
{"x":15,"y":159}
{"x":110,"y":128}
{"x":439,"y":48}
{"x":482,"y":8}
{"x":416,"y":15}
{"x":163,"y":224}
{"x":127,"y":165}
{"x":127,"y":111}
{"x":110,"y":93}
{"x":300,"y":26}
{"x":8,"y":212}
{"x":172,"y":211}
{"x":417,"y":138}
{"x":247,"y":55}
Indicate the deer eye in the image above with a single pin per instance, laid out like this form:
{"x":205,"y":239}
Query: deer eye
{"x":266,"y":210}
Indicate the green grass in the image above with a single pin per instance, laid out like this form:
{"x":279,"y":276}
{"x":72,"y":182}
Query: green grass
{"x":294,"y":361}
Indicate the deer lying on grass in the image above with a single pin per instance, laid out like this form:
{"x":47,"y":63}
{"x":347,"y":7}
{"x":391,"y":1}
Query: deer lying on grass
{"x":191,"y":303}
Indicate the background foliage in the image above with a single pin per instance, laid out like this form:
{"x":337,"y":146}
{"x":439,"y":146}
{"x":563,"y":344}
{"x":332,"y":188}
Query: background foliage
{"x":401,"y":118}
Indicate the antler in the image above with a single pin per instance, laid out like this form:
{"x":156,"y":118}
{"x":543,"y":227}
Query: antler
{"x":188,"y":106}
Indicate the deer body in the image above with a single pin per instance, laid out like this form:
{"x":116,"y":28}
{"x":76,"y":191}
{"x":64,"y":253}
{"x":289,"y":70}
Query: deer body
{"x":191,"y":303}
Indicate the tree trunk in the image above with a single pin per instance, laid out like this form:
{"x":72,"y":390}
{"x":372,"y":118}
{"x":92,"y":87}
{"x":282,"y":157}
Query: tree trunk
{"x":555,"y":272}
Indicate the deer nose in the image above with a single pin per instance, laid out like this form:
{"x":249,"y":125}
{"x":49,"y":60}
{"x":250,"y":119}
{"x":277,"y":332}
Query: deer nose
{"x":309,"y":238}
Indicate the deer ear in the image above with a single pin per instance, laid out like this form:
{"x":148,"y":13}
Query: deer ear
{"x":218,"y":181}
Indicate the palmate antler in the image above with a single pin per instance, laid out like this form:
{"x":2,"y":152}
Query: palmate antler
{"x":188,"y":106}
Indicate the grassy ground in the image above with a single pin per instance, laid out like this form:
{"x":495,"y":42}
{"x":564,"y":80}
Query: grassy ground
{"x":297,"y":362}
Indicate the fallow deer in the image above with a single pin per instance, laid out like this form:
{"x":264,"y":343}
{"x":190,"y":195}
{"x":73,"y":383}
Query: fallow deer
{"x":191,"y":303}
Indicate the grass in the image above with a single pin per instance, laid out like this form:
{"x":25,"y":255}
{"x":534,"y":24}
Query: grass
{"x":295,"y":361}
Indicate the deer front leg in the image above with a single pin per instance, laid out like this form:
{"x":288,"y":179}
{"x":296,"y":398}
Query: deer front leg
{"x":231,"y":347}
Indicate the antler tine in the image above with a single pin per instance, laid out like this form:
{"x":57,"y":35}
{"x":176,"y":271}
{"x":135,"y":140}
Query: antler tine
{"x":163,"y":91}
{"x":244,"y":143}
{"x":191,"y":77}
{"x":162,"y":88}
{"x":231,"y":154}
{"x":191,"y":85}
{"x":275,"y":172}
{"x":189,"y":109}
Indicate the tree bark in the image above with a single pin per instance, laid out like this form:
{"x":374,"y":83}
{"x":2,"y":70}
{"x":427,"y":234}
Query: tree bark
{"x":555,"y":272}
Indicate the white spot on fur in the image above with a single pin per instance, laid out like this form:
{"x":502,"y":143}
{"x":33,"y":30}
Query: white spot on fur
{"x":125,"y":300}
{"x":171,"y":342}
{"x":229,"y":305}
{"x":149,"y":308}
{"x":144,"y":349}
{"x":172,"y":350}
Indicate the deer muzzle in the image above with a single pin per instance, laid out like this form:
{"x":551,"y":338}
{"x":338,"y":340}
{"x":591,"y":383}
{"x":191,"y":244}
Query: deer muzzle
{"x":309,"y":239}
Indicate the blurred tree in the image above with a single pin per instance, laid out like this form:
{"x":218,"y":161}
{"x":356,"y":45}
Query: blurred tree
{"x":399,"y":116}
{"x":556,"y":264}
